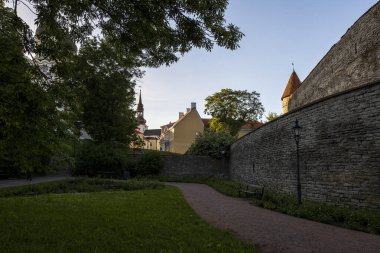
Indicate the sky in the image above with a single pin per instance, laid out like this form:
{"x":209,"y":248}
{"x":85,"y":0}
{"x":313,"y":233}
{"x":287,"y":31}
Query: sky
{"x":277,"y":33}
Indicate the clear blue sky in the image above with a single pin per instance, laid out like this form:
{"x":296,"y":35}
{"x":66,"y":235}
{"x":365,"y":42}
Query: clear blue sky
{"x":277,"y":33}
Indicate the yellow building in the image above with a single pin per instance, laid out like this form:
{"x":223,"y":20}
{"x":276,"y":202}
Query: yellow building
{"x":177,"y":137}
{"x":293,"y":84}
{"x":152,"y":139}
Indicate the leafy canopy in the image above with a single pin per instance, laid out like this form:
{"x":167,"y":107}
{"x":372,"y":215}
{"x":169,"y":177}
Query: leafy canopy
{"x":117,"y":37}
{"x":31,"y":129}
{"x":107,"y":92}
{"x":150,"y":32}
{"x":231,"y":108}
{"x":211,"y":143}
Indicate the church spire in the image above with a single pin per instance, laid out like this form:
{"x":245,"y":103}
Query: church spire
{"x":140,"y":106}
{"x":140,"y":112}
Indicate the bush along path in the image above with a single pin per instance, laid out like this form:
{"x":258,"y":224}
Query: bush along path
{"x":271,"y":231}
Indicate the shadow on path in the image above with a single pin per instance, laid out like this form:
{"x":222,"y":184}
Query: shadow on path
{"x":271,"y":231}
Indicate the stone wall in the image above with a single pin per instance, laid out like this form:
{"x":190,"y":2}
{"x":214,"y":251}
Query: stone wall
{"x":339,"y":151}
{"x":352,"y":62}
{"x":194,"y":166}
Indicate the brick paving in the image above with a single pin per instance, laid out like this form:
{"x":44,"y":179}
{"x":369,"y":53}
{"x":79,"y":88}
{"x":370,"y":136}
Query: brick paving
{"x":271,"y":231}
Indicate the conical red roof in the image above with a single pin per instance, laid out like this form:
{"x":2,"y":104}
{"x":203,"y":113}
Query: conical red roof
{"x":293,"y":84}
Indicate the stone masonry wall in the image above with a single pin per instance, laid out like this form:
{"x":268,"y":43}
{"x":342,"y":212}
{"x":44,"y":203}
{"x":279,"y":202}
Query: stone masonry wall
{"x":194,"y":166}
{"x":352,"y":62}
{"x":339,"y":151}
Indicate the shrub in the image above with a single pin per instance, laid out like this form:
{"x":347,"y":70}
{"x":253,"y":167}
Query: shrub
{"x":80,"y":185}
{"x":149,"y":164}
{"x":211,"y":143}
{"x":93,"y":159}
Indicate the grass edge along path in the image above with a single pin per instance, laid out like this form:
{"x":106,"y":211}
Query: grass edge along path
{"x":157,"y":220}
{"x":356,"y":219}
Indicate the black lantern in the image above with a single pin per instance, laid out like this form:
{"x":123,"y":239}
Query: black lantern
{"x":296,"y":132}
{"x":296,"y":129}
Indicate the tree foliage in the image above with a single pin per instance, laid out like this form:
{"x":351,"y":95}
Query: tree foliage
{"x":151,"y":32}
{"x":30,"y":124}
{"x":271,"y":116}
{"x":211,"y":143}
{"x":231,"y":108}
{"x":106,"y":89}
{"x":118,"y":38}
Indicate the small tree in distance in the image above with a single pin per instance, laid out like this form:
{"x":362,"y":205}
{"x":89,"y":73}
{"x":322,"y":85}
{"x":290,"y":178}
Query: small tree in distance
{"x":271,"y":116}
{"x":211,"y":143}
{"x":232,"y":108}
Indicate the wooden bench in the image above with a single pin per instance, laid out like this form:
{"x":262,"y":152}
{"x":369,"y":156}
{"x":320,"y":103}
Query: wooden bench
{"x":256,"y":191}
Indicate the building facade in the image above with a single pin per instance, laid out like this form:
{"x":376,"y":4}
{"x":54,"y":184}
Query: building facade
{"x":177,"y":137}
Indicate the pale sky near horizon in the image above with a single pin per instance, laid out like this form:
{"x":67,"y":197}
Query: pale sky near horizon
{"x":277,"y":33}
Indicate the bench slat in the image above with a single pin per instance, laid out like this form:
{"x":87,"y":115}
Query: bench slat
{"x":259,"y":192}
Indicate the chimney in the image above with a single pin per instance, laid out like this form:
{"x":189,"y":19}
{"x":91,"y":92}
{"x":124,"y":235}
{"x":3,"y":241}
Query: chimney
{"x":187,"y":110}
{"x":180,"y":115}
{"x":193,"y":106}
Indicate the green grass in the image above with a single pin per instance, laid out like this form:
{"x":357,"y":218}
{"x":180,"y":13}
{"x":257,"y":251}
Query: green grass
{"x":358,"y":219}
{"x":112,"y":221}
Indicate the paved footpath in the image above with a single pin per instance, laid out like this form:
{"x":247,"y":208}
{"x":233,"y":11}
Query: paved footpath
{"x":271,"y":231}
{"x":18,"y":182}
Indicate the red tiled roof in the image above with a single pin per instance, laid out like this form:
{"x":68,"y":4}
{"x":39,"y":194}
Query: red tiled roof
{"x":206,"y":122}
{"x":251,"y":125}
{"x":293,"y":84}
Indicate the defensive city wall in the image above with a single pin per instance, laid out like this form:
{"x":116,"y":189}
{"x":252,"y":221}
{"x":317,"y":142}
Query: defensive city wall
{"x":339,"y":151}
{"x":338,"y":108}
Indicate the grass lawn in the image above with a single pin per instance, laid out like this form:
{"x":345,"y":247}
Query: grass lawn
{"x":112,"y":221}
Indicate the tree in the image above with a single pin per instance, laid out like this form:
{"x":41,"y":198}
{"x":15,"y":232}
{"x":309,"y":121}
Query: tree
{"x":107,"y":92}
{"x":150,"y":32}
{"x":271,"y":116}
{"x":231,"y":108}
{"x":211,"y":143}
{"x":136,"y":33}
{"x":30,"y":124}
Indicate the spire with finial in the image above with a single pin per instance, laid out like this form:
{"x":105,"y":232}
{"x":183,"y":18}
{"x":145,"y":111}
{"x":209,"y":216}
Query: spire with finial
{"x":140,"y":106}
{"x":140,"y":112}
{"x":293,"y":84}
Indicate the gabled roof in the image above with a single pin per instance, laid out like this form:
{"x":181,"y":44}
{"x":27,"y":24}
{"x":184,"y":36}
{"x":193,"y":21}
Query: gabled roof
{"x":293,"y":84}
{"x":174,"y":124}
{"x":185,"y":116}
{"x":152,"y":132}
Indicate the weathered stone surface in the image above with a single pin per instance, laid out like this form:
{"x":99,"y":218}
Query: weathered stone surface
{"x":352,"y":62}
{"x":339,"y":151}
{"x":194,"y":166}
